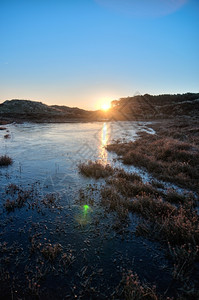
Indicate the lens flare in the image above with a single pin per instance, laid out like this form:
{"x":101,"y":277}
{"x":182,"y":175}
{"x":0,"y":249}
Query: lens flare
{"x":84,"y":215}
{"x":86,"y":208}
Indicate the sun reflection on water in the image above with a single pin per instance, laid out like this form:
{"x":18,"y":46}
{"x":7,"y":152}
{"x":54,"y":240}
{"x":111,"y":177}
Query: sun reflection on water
{"x":104,"y":135}
{"x":104,"y":141}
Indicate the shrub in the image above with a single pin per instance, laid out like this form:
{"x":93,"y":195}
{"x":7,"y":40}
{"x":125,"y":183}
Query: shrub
{"x":5,"y":161}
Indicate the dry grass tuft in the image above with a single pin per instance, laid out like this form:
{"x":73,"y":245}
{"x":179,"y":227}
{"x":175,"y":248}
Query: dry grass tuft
{"x":166,"y":222}
{"x":135,"y":290}
{"x":7,"y":136}
{"x":95,"y":169}
{"x":151,"y":208}
{"x":184,"y":257}
{"x":21,"y":197}
{"x":50,"y":251}
{"x":166,"y":158}
{"x":172,"y":196}
{"x":120,"y":173}
{"x":5,"y":161}
{"x":111,"y":198}
{"x":130,"y":189}
{"x":49,"y":200}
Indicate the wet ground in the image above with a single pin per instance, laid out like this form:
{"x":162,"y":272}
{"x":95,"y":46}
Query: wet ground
{"x":56,"y":243}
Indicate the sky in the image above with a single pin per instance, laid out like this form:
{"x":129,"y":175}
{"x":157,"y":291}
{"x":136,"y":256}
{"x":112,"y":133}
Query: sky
{"x":83,"y":53}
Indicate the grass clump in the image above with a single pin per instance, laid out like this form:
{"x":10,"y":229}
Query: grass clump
{"x":131,"y":288}
{"x":182,"y":227}
{"x":20,"y":197}
{"x":128,"y":176}
{"x":166,"y":158}
{"x":167,"y":223}
{"x":157,"y":184}
{"x":29,"y":198}
{"x":111,"y":199}
{"x":10,"y":205}
{"x":12,"y":189}
{"x":184,"y":257}
{"x":50,"y":251}
{"x":151,"y":208}
{"x":50,"y":200}
{"x":130,"y":189}
{"x":135,"y":290}
{"x":174,"y":197}
{"x":7,"y":136}
{"x":5,"y":161}
{"x":95,"y":169}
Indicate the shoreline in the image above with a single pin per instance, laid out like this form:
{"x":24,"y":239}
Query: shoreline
{"x":5,"y":120}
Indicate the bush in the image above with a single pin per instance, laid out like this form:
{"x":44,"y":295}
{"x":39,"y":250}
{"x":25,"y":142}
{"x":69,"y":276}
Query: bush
{"x":5,"y":161}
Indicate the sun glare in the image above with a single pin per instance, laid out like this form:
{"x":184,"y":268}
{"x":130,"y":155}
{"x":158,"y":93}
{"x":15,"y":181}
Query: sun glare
{"x":106,"y":106}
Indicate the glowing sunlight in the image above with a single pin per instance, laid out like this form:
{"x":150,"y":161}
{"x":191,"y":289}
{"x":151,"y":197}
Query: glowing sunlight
{"x":106,"y":106}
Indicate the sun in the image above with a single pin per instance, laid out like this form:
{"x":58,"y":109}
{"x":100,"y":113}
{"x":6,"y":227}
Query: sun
{"x":105,"y":106}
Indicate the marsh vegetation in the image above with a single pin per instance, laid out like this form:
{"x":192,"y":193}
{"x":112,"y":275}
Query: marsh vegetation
{"x":166,"y":215}
{"x":5,"y":161}
{"x":112,"y":233}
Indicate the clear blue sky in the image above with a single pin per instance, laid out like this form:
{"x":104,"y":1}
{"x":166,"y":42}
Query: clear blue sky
{"x":83,"y":52}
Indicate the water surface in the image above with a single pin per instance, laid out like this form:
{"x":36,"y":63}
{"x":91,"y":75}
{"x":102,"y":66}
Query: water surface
{"x":47,"y":155}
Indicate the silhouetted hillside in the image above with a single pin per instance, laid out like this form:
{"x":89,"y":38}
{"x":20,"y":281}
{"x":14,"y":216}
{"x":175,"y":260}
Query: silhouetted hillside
{"x":141,"y":107}
{"x":37,"y":111}
{"x":153,"y":107}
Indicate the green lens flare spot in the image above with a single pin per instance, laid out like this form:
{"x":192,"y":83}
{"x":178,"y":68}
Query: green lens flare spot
{"x":86,"y":208}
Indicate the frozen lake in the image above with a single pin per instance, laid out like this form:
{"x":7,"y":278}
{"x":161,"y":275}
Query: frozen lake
{"x":41,"y":151}
{"x":47,"y":156}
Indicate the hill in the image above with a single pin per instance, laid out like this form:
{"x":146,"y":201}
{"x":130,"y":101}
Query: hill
{"x":150,"y":107}
{"x":39,"y":112}
{"x":141,"y":107}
